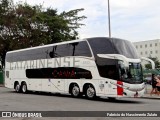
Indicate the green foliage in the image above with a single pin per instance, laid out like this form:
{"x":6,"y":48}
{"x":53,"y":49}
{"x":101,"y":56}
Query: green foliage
{"x":157,"y":63}
{"x":23,"y":25}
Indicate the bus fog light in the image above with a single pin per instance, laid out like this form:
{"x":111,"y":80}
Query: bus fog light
{"x":125,"y":93}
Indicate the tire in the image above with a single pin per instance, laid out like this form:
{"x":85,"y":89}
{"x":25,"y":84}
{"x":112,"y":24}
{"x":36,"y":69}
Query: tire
{"x":90,"y":92}
{"x":18,"y":88}
{"x":75,"y":91}
{"x":24,"y":88}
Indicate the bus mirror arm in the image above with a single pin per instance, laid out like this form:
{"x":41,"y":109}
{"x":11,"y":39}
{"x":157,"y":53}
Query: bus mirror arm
{"x":115,"y":57}
{"x":149,"y":60}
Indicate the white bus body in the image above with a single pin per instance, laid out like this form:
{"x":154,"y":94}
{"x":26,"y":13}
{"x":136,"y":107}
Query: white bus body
{"x":106,"y":67}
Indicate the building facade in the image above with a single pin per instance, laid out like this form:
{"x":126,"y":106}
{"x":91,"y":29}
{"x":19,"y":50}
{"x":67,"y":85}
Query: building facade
{"x":149,"y":48}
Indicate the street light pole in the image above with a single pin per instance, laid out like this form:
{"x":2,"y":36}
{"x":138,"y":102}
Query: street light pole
{"x":109,"y":22}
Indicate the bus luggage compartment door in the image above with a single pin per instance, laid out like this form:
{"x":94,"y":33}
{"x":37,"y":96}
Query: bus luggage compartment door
{"x":46,"y":85}
{"x":57,"y":85}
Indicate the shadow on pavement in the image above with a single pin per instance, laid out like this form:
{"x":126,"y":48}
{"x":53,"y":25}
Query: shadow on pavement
{"x":151,"y":97}
{"x":118,"y":100}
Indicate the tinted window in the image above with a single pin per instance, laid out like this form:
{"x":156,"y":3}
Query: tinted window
{"x":125,"y":48}
{"x":72,"y":49}
{"x":80,"y":49}
{"x":113,"y":46}
{"x":40,"y":53}
{"x":59,"y":73}
{"x":59,"y":51}
{"x":108,"y":68}
{"x":101,"y":46}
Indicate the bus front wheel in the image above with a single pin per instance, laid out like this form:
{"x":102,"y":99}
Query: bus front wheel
{"x":90,"y":92}
{"x":24,"y":87}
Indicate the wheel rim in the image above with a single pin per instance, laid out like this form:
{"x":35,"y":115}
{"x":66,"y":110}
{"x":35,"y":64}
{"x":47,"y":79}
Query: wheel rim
{"x":90,"y":92}
{"x":24,"y":88}
{"x":17,"y":88}
{"x":75,"y":91}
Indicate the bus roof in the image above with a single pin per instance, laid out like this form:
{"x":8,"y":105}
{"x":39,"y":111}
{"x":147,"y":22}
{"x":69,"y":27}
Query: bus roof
{"x":61,"y":43}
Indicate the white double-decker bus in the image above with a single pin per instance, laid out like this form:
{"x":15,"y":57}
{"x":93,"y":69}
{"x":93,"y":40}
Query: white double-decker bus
{"x":105,"y":67}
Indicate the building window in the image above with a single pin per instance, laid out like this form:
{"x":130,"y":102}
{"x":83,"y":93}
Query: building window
{"x":150,"y":45}
{"x":145,"y":45}
{"x":155,"y":44}
{"x":146,"y":52}
{"x":140,"y":46}
{"x":151,"y":52}
{"x":141,"y":53}
{"x":136,"y":46}
{"x":156,"y":51}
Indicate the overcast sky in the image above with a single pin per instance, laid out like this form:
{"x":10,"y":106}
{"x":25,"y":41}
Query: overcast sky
{"x":135,"y":20}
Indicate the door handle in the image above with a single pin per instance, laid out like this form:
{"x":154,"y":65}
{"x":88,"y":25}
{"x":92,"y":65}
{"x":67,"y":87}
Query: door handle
{"x":58,"y":81}
{"x":106,"y":81}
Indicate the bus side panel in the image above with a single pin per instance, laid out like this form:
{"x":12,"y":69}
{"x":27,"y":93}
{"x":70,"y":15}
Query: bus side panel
{"x":34,"y":84}
{"x":8,"y":76}
{"x":9,"y":83}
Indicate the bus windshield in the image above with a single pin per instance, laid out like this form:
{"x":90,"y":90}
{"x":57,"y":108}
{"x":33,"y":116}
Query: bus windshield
{"x":132,"y":74}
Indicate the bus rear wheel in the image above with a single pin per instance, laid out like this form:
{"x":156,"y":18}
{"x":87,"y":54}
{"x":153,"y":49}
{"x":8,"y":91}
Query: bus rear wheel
{"x":24,"y":88}
{"x":75,"y":91}
{"x":17,"y":88}
{"x":90,"y":92}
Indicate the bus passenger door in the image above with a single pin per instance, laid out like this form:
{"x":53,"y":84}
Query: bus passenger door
{"x":60,"y":85}
{"x":110,"y":88}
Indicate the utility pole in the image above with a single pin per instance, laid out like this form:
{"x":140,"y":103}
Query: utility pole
{"x":109,"y":21}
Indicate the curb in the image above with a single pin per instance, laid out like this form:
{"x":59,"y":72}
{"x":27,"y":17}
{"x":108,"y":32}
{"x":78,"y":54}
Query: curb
{"x":149,"y":96}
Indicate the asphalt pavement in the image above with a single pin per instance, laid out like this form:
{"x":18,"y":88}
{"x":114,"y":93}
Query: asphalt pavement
{"x":12,"y":101}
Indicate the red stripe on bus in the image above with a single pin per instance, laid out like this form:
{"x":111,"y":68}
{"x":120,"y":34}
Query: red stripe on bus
{"x":119,"y":89}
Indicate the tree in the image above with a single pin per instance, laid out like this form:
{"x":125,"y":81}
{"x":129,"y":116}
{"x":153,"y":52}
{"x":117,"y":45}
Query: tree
{"x":23,"y":26}
{"x":156,"y":61}
{"x":6,"y":15}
